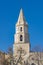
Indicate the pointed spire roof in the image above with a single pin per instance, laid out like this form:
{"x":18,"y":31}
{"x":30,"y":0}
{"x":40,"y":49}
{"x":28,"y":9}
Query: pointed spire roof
{"x":21,"y":18}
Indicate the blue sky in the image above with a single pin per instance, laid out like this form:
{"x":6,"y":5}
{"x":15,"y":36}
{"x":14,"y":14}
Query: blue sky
{"x":9,"y":12}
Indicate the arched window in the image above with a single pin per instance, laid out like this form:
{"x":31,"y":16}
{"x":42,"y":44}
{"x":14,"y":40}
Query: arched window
{"x":32,"y":64}
{"x":21,"y":37}
{"x":20,"y":28}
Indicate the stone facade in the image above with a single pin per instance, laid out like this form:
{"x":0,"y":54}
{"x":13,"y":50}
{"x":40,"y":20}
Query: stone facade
{"x":21,"y":47}
{"x":21,"y":36}
{"x":22,"y":54}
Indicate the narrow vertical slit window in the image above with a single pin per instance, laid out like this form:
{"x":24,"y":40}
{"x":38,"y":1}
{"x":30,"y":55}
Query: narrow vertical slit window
{"x":21,"y":29}
{"x":21,"y":38}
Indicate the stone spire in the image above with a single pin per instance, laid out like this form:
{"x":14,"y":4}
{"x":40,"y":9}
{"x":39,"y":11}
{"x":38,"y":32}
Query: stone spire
{"x":21,"y":35}
{"x":21,"y":18}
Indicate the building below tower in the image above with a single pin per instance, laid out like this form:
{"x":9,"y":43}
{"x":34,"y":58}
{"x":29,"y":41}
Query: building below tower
{"x":22,"y":55}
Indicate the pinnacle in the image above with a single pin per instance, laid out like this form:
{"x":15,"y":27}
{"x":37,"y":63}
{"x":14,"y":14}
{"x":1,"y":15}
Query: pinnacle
{"x":21,"y":18}
{"x":21,"y":11}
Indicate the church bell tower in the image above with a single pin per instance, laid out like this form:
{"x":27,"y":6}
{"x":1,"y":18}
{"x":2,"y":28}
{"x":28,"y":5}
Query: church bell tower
{"x":21,"y":36}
